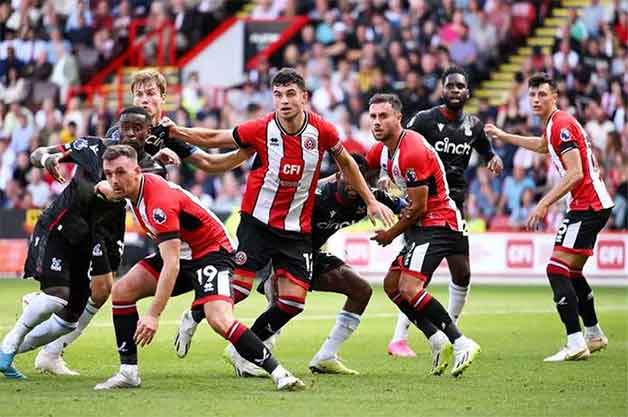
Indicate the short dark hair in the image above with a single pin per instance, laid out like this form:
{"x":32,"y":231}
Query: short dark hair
{"x":135,"y":110}
{"x":539,"y":78}
{"x":454,"y":69}
{"x":359,"y":159}
{"x":287,"y":76}
{"x":117,"y":151}
{"x":393,"y":99}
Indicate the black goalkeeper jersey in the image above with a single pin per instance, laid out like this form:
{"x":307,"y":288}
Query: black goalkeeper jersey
{"x":453,"y":140}
{"x":331,"y":215}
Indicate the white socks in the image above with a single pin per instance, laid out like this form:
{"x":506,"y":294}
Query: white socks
{"x":437,"y":340}
{"x":39,"y":309}
{"x":56,"y":347}
{"x":576,"y":340}
{"x":346,"y":323}
{"x":593,"y":331}
{"x":51,"y":329}
{"x":457,"y":300}
{"x":401,"y":328}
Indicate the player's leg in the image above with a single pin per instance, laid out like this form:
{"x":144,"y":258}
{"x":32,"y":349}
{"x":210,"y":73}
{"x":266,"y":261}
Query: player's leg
{"x":332,"y":275}
{"x":213,"y":294}
{"x":574,"y":243}
{"x":593,"y":333}
{"x":459,"y":285}
{"x":64,"y":321}
{"x":105,"y":259}
{"x":138,"y":283}
{"x":48,"y":262}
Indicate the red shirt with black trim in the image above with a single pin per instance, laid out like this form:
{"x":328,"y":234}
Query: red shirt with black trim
{"x":166,"y":211}
{"x":564,"y":133}
{"x":416,"y":163}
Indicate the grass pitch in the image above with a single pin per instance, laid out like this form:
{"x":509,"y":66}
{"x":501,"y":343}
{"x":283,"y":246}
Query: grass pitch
{"x":516,"y":327}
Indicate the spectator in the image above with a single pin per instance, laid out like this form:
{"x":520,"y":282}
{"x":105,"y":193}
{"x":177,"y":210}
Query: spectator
{"x":38,"y":189}
{"x":513,"y":188}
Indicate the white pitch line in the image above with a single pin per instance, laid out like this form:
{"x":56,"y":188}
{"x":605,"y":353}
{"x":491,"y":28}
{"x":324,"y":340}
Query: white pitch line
{"x":617,"y":307}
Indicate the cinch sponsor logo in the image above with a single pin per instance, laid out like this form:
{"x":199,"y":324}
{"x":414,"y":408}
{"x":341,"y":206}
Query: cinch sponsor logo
{"x":357,"y":251}
{"x":450,"y":147}
{"x":611,"y":254}
{"x":520,"y":254}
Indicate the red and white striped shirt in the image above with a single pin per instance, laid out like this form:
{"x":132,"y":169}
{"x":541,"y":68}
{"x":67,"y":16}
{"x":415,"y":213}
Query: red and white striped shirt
{"x":280,"y":190}
{"x":166,"y":211}
{"x":414,"y":163}
{"x":565,"y":133}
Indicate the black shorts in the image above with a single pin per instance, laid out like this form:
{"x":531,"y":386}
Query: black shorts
{"x":54,"y":262}
{"x":209,"y":276}
{"x":323,"y":263}
{"x":106,"y":256}
{"x":259,"y":244}
{"x":425,"y":248}
{"x":579,"y":229}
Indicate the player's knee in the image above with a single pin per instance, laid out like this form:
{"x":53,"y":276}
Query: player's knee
{"x":360,"y":290}
{"x":101,"y":289}
{"x":463,"y":279}
{"x":390,"y":286}
{"x":59,"y":292}
{"x":290,"y":305}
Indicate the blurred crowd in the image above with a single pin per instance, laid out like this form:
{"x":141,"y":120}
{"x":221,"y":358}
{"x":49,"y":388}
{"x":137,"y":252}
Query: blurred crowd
{"x":349,"y":51}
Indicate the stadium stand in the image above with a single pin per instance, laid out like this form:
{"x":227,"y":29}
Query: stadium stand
{"x":349,"y":51}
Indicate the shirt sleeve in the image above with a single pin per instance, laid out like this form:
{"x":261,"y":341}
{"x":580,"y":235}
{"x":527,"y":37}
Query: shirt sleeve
{"x":414,"y":168}
{"x":330,"y":140}
{"x":86,"y":152}
{"x":417,"y":123}
{"x":482,"y":144}
{"x":564,"y":137}
{"x":373,"y":156}
{"x":247,"y":133}
{"x":163,"y":216}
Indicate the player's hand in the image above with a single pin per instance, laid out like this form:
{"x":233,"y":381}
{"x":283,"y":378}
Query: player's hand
{"x":377,"y":210}
{"x":146,"y":328}
{"x":537,"y":218}
{"x":384,"y":183}
{"x":495,"y":165}
{"x":167,"y":123}
{"x":167,"y":157}
{"x":104,"y":189}
{"x":51,"y":164}
{"x":382,"y":237}
{"x":493,"y":131}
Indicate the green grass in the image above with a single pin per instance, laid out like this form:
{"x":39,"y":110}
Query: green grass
{"x":516,"y":326}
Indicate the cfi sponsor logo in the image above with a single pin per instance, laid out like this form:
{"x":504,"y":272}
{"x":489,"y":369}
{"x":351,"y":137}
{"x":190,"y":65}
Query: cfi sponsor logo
{"x":159,"y":216}
{"x":240,"y":258}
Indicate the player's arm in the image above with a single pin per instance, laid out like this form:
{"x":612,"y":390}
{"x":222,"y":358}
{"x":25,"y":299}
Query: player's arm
{"x":352,"y":173}
{"x":219,"y":163}
{"x":200,"y":136}
{"x":148,"y":324}
{"x":409,"y":216}
{"x":573,"y":175}
{"x":396,"y":204}
{"x":49,"y":157}
{"x":484,"y":148}
{"x":533,"y":143}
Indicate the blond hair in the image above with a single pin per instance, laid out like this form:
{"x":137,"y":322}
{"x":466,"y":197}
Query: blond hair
{"x":147,"y":75}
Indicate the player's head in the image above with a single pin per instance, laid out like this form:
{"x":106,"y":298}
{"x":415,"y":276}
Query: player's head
{"x":347,"y":192}
{"x":121,"y":170}
{"x":135,"y":124}
{"x":289,"y":93}
{"x":385,"y":116}
{"x":542,"y":93}
{"x":149,"y":91}
{"x":455,"y":87}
